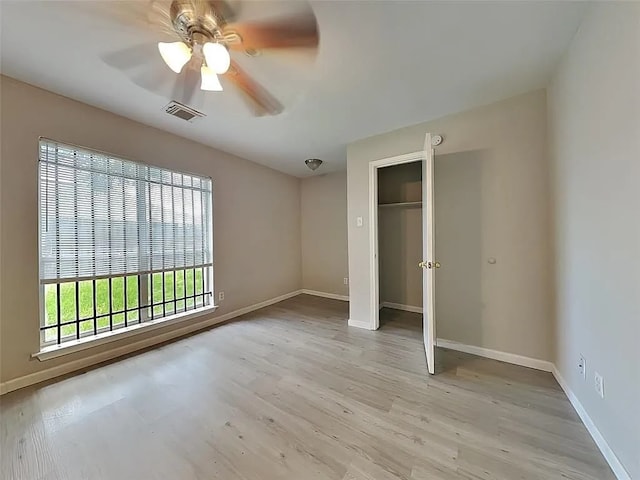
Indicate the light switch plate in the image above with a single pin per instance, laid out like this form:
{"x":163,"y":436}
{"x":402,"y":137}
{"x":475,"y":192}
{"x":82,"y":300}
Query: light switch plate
{"x":359,"y":222}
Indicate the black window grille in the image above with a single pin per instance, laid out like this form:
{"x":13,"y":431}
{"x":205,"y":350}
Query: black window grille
{"x":79,"y":309}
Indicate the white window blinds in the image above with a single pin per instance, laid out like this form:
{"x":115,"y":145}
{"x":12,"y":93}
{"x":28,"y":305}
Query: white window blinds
{"x":102,"y":216}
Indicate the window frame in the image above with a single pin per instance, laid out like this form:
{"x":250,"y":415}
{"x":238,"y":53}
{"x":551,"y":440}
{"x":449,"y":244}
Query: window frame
{"x":145,"y":322}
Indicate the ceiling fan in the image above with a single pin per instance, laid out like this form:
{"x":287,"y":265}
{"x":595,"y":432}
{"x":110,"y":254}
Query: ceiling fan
{"x":205,"y":36}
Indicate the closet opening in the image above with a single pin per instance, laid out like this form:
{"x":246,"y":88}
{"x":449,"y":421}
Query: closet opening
{"x":400,"y":242}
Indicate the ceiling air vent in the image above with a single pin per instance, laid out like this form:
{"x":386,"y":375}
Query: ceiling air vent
{"x":182,"y":111}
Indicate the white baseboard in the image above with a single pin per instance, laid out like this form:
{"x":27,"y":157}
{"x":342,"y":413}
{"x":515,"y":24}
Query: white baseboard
{"x":497,"y":355}
{"x":85,"y":362}
{"x":618,"y":469}
{"x":359,"y":324}
{"x":257,"y":306}
{"x":333,"y":296}
{"x":400,"y":306}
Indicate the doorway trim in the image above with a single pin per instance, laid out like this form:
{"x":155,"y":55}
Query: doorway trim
{"x":374,"y":262}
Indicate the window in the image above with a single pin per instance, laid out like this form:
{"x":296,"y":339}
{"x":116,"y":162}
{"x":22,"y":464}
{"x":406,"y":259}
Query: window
{"x":121,"y":243}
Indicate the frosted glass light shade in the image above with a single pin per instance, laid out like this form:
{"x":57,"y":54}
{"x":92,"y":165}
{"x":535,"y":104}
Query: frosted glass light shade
{"x":175,"y":54}
{"x":209,"y":80}
{"x":217,"y":56}
{"x":313,"y":163}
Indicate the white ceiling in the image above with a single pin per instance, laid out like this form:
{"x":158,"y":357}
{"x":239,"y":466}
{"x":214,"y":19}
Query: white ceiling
{"x":381,"y":65}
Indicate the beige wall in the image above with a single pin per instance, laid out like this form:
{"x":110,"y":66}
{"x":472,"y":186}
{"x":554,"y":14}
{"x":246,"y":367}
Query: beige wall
{"x":462,"y":235}
{"x":594,"y":113}
{"x":256,"y":226}
{"x":509,"y":139}
{"x":324,"y":233}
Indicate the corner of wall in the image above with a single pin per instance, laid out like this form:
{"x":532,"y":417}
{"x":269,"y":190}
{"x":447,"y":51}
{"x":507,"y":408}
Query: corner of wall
{"x":551,"y":212}
{"x":301,"y":244}
{"x":324,"y":233}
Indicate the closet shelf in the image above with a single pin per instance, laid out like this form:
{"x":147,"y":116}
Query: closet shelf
{"x":400,"y":204}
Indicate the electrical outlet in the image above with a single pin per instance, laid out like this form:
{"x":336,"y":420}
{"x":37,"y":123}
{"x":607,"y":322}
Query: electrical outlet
{"x":599,"y":384}
{"x":582,"y":366}
{"x":220,"y":296}
{"x":345,"y":280}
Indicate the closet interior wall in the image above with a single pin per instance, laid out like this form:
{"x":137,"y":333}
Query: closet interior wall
{"x":400,"y":234}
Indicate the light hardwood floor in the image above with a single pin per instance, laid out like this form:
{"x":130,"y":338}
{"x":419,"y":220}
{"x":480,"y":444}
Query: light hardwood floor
{"x":290,"y":392}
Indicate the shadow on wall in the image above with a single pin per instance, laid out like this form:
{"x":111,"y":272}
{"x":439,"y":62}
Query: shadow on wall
{"x":459,"y":245}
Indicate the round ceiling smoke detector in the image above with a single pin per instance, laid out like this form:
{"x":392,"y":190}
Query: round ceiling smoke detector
{"x":313,"y":163}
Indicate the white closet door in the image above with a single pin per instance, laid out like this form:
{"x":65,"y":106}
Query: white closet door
{"x":428,"y":264}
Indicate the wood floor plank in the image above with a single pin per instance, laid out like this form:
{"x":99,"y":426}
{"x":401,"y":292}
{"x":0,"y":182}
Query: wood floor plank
{"x":291,"y":392}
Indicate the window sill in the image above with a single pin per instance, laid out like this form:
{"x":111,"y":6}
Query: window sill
{"x":54,"y":351}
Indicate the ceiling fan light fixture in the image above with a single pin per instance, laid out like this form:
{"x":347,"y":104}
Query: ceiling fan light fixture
{"x":209,"y":81}
{"x":217,"y":56}
{"x":313,"y":163}
{"x":175,"y":54}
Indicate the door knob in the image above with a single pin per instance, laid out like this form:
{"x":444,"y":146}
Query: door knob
{"x":429,"y":265}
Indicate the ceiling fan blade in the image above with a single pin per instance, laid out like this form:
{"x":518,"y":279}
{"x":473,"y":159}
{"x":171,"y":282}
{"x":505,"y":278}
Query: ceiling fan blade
{"x":291,"y":32}
{"x":144,"y":67}
{"x":225,"y":10}
{"x":262,"y":102}
{"x":134,"y":63}
{"x":146,"y":15}
{"x":187,"y":81}
{"x":131,"y":57}
{"x":155,"y":80}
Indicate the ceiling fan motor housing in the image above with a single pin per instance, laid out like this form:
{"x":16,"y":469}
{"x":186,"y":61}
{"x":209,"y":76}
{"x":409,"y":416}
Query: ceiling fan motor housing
{"x":196,"y":22}
{"x":209,"y":30}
